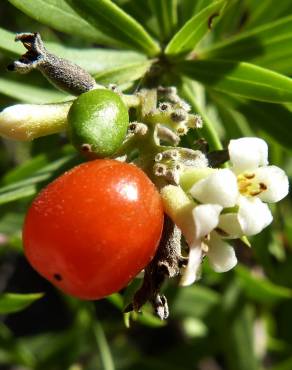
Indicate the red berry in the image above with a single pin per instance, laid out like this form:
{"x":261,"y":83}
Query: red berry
{"x":94,"y":228}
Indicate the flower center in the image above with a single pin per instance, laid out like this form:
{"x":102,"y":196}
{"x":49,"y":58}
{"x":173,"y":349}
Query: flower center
{"x":248,"y":185}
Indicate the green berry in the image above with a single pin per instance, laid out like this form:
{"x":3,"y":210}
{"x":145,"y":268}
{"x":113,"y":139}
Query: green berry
{"x":98,"y":122}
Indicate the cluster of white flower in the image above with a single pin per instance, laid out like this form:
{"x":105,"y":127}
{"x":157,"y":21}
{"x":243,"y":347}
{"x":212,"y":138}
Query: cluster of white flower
{"x":213,"y":205}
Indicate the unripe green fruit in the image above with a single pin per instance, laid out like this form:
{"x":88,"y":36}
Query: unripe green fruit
{"x":98,"y":122}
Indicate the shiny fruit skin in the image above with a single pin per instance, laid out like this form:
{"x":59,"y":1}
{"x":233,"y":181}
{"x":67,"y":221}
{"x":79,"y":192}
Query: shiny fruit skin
{"x":94,"y":228}
{"x":97,"y":123}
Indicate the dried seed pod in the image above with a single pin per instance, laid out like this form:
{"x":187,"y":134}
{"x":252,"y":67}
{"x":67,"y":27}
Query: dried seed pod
{"x":63,"y":74}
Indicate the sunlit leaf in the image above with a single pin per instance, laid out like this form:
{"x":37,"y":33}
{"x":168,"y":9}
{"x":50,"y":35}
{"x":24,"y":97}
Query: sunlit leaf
{"x":240,"y":78}
{"x":123,"y":74}
{"x":7,"y":44}
{"x":194,"y":30}
{"x":208,"y":131}
{"x":113,"y":21}
{"x":268,"y":45}
{"x":59,"y":15}
{"x":28,"y":186}
{"x":262,"y":12}
{"x":274,"y":119}
{"x":30,"y":94}
{"x":12,"y":302}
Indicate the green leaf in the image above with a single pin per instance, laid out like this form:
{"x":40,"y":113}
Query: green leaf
{"x":92,"y":60}
{"x":194,"y":30}
{"x":265,"y":11}
{"x":10,"y":222}
{"x":190,"y":7}
{"x":113,"y":21}
{"x":59,"y":15}
{"x":283,"y":365}
{"x":165,"y":12}
{"x":103,"y":347}
{"x":235,"y":124}
{"x":194,"y":301}
{"x":268,"y":46}
{"x":238,"y":339}
{"x":8,"y":45}
{"x":260,"y":289}
{"x":30,"y":94}
{"x":240,"y":78}
{"x":123,"y":74}
{"x":148,"y":319}
{"x":97,"y":60}
{"x":274,"y":119}
{"x":12,"y":302}
{"x":208,"y":130}
{"x":28,"y":186}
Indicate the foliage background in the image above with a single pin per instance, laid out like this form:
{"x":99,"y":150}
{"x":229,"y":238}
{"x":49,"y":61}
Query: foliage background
{"x":239,"y":320}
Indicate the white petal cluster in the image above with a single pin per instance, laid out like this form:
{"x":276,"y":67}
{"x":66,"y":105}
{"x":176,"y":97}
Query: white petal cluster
{"x":227,"y":204}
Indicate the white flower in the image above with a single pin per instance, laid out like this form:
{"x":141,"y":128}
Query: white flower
{"x":205,"y":218}
{"x":213,"y":189}
{"x":252,"y":217}
{"x":248,"y":184}
{"x":220,"y":254}
{"x":224,"y":204}
{"x":197,"y":223}
{"x":247,"y":153}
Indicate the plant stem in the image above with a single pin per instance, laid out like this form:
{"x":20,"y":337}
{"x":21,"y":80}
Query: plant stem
{"x":104,"y":349}
{"x":131,"y":101}
{"x":207,"y":130}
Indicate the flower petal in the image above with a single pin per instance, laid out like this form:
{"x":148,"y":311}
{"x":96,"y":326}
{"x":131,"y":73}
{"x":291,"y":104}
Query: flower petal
{"x":230,"y":226}
{"x":247,"y":153}
{"x":276,"y":182}
{"x":253,"y":215}
{"x":218,"y":188}
{"x":190,"y":273}
{"x":221,"y":255}
{"x":206,"y":218}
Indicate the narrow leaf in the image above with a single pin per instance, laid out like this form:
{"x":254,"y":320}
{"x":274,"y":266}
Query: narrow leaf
{"x":265,"y":11}
{"x":194,"y":30}
{"x":165,"y":12}
{"x":7,"y":44}
{"x":97,"y":60}
{"x":261,"y":290}
{"x":266,"y":45}
{"x":208,"y":130}
{"x":28,"y":186}
{"x":238,"y":340}
{"x":123,"y":74}
{"x":92,"y":60}
{"x":274,"y":119}
{"x":240,"y":78}
{"x":103,"y":347}
{"x":113,"y":21}
{"x":59,"y":15}
{"x":13,"y":302}
{"x":30,"y":94}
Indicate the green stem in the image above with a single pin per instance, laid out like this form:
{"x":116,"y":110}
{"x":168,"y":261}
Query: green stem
{"x":207,"y":131}
{"x":131,"y":101}
{"x":104,"y":349}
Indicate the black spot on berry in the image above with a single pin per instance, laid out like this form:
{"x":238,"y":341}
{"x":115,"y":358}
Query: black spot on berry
{"x":58,"y":277}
